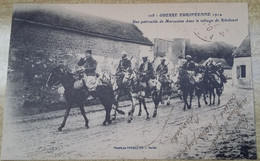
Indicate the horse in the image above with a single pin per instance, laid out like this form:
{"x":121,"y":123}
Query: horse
{"x":167,"y":87}
{"x":212,"y":83}
{"x":137,"y":91}
{"x":110,"y":79}
{"x":61,"y":75}
{"x":200,"y":84}
{"x":187,"y":86}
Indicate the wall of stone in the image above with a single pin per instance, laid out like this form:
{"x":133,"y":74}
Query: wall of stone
{"x":36,"y":49}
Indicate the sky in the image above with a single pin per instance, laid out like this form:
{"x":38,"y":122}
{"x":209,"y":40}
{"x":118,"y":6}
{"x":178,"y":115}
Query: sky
{"x":200,"y":32}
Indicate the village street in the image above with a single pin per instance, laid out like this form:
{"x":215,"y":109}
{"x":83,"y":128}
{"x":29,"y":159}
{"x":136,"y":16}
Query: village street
{"x":226,"y":130}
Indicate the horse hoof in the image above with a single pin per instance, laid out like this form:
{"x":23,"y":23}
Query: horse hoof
{"x":154,"y":115}
{"x":148,"y":118}
{"x":87,"y":126}
{"x":139,"y":114}
{"x":168,"y":103}
{"x":199,"y":106}
{"x":104,"y":123}
{"x":59,"y":129}
{"x":128,"y":121}
{"x":109,"y":122}
{"x":113,"y":117}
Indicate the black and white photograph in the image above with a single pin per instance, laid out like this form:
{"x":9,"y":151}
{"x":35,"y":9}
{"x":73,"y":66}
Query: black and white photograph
{"x":129,"y":81}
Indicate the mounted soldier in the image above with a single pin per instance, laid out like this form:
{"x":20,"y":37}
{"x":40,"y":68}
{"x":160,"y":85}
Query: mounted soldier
{"x":162,"y":71}
{"x":220,"y":72}
{"x":189,"y":66}
{"x":89,"y":71}
{"x":124,"y":65}
{"x":146,"y":73}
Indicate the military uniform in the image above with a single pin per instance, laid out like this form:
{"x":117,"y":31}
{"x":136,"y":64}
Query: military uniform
{"x":162,"y":70}
{"x":146,"y":71}
{"x":123,"y":65}
{"x":90,"y":65}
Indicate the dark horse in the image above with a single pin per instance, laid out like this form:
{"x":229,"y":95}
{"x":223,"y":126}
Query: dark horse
{"x":186,"y":86}
{"x":212,"y":83}
{"x":201,"y":85}
{"x":61,"y":74}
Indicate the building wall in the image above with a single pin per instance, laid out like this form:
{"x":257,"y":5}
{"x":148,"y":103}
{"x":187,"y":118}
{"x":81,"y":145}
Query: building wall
{"x":172,"y":50}
{"x":242,"y":82}
{"x":36,"y":49}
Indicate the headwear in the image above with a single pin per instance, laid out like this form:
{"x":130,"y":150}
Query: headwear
{"x":188,"y":57}
{"x":144,"y":57}
{"x":124,"y":54}
{"x":219,"y":64}
{"x":89,"y":51}
{"x":163,"y":60}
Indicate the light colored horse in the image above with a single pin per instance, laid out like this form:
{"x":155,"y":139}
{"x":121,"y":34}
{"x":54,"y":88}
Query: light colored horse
{"x":137,"y":91}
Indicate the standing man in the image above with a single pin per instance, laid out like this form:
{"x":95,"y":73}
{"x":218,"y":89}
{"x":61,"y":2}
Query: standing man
{"x":90,"y":65}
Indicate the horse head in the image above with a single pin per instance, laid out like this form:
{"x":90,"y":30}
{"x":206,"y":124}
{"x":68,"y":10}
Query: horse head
{"x":55,"y":76}
{"x":129,"y":76}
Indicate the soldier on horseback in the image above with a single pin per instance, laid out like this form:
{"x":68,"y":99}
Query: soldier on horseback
{"x":189,"y":66}
{"x":220,"y":73}
{"x":146,"y":73}
{"x":124,"y":65}
{"x":89,"y":71}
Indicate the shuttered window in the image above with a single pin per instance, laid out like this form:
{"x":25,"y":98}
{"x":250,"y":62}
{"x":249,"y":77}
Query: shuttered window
{"x":238,"y":71}
{"x":243,"y":71}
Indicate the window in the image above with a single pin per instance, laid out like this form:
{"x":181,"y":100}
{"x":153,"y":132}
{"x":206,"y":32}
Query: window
{"x":241,"y":71}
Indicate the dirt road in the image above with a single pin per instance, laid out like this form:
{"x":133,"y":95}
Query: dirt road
{"x":220,"y":131}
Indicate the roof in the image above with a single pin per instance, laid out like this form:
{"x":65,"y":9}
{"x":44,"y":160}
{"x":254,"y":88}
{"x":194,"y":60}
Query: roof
{"x":62,"y":18}
{"x":244,"y":49}
{"x":219,"y":60}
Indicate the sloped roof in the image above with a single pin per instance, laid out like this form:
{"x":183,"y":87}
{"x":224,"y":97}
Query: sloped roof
{"x":244,"y":49}
{"x":57,"y":16}
{"x":219,"y":60}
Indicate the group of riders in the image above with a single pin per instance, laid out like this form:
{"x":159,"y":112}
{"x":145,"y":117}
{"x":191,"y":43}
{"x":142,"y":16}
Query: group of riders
{"x":146,"y":71}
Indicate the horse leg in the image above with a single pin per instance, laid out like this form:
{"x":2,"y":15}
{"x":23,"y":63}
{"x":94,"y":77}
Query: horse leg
{"x":145,"y":108}
{"x":83,"y":113}
{"x":191,"y":94}
{"x":185,"y":96}
{"x":108,"y":110}
{"x":140,"y":107}
{"x":156,"y":100}
{"x":213,"y":93}
{"x":169,"y":93}
{"x":199,"y":95}
{"x":131,"y":112}
{"x":65,"y":118}
{"x":210,"y":95}
{"x":205,"y":98}
{"x":161,"y":97}
{"x":218,"y":93}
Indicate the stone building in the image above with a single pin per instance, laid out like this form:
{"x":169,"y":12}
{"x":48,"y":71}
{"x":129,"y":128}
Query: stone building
{"x":242,"y":67}
{"x":44,"y":36}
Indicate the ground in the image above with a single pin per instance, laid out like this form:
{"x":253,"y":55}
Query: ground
{"x":224,"y":131}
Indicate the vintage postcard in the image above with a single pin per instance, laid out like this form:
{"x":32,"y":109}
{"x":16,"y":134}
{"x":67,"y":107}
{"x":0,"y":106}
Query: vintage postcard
{"x":129,"y":81}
